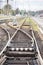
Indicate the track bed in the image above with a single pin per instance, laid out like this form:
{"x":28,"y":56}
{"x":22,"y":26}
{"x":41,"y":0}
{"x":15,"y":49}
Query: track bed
{"x":20,"y":40}
{"x":21,"y":61}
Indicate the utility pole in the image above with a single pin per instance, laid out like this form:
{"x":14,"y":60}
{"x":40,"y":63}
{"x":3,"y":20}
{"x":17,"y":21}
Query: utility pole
{"x":7,"y":6}
{"x":7,"y":1}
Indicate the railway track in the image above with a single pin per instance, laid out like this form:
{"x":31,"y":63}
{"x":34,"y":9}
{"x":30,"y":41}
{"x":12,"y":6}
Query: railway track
{"x":40,"y":43}
{"x":11,"y":28}
{"x":21,"y":48}
{"x":4,"y":37}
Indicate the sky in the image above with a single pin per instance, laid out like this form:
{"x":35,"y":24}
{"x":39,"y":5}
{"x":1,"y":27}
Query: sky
{"x":32,"y":5}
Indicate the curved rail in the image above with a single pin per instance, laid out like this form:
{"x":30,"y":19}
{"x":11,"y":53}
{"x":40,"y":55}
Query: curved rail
{"x":33,"y":38}
{"x":3,"y":58}
{"x":17,"y":25}
{"x":39,"y":55}
{"x":26,"y":34}
{"x":7,"y":34}
{"x":5,"y":31}
{"x":11,"y":26}
{"x":12,"y":37}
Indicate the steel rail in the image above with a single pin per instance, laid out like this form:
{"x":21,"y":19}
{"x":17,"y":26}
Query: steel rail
{"x":39,"y":55}
{"x":8,"y":42}
{"x":22,"y":23}
{"x":26,"y":34}
{"x":27,"y":63}
{"x":21,"y":29}
{"x":10,"y":39}
{"x":33,"y":38}
{"x":11,"y":26}
{"x":17,"y":25}
{"x":2,"y":60}
{"x":5,"y":31}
